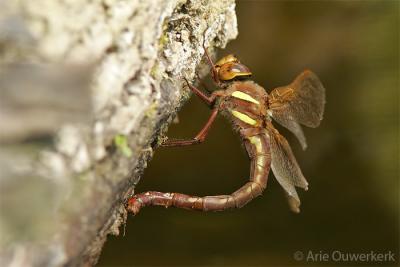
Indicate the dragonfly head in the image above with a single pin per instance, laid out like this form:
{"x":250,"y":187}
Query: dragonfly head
{"x":229,"y":68}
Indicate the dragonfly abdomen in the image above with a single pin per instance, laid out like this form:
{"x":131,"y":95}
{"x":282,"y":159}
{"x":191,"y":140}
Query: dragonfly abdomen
{"x":258,"y":149}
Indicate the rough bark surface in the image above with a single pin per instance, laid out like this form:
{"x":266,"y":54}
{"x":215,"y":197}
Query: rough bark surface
{"x":102,"y":80}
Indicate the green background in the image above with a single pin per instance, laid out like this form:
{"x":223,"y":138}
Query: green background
{"x":351,"y":163}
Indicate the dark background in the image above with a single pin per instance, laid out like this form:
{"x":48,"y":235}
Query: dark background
{"x":351,"y":163}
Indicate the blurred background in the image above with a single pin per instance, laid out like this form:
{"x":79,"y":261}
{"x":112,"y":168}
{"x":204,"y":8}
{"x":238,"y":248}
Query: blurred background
{"x":352,"y":163}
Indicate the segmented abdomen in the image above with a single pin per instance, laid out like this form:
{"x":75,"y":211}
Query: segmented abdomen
{"x":258,"y":149}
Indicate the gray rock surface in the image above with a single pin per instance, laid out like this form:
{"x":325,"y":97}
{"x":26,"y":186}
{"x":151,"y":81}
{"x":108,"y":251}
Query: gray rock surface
{"x":87,"y":88}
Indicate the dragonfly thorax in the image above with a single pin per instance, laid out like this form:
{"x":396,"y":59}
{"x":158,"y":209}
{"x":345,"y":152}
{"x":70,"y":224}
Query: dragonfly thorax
{"x":245,"y":103}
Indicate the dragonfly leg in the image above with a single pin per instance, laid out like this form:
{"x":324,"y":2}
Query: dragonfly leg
{"x":199,"y":138}
{"x":261,"y":161}
{"x":208,"y":99}
{"x":214,"y":72}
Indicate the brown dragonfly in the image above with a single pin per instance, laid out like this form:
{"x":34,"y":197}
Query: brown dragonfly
{"x":251,"y":110}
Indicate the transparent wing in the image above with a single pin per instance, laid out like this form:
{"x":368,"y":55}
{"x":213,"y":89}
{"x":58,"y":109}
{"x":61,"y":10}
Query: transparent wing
{"x":294,"y":204}
{"x":301,"y":102}
{"x":285,"y":167}
{"x":289,"y":123}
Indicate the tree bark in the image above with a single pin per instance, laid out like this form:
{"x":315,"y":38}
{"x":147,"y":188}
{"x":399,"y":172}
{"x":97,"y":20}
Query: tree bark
{"x":87,"y":89}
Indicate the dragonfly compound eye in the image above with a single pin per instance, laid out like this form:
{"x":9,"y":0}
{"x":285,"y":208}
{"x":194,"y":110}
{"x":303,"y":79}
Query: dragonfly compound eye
{"x":231,"y":70}
{"x":226,"y":59}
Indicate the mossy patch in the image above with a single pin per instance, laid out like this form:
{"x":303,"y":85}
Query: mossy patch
{"x":121,"y":142}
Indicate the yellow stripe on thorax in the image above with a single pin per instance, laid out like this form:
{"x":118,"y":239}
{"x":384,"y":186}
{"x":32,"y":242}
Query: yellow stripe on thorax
{"x":244,"y":96}
{"x":243,"y":117}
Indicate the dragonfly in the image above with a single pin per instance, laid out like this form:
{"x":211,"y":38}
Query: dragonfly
{"x":252,"y":111}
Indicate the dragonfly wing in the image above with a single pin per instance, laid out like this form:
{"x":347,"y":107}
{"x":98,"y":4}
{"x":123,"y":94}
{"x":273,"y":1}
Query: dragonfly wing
{"x":302,"y":101}
{"x":285,"y":167}
{"x":289,"y":123}
{"x":294,"y":203}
